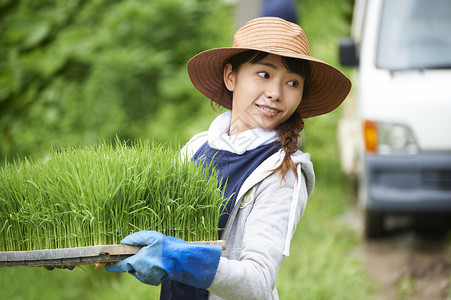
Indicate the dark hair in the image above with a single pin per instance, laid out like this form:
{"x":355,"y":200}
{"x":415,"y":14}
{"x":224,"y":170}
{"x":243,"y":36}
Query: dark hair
{"x":289,"y":130}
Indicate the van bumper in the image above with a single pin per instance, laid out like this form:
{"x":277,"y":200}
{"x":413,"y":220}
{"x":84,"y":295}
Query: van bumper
{"x":409,"y":183}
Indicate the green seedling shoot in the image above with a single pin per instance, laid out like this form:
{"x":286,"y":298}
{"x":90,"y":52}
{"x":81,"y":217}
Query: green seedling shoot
{"x":97,"y":195}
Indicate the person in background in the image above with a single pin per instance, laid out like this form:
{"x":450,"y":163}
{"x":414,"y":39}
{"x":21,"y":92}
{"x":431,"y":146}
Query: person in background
{"x":284,"y":9}
{"x":269,"y":83}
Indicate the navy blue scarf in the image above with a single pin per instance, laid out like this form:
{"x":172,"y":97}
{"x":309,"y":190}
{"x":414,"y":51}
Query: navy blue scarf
{"x":233,"y":169}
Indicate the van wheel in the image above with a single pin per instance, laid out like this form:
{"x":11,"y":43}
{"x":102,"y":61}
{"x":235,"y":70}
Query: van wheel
{"x":374,"y":224}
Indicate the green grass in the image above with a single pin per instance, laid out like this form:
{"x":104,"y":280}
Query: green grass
{"x":99,"y":194}
{"x":25,"y":283}
{"x":320,"y":265}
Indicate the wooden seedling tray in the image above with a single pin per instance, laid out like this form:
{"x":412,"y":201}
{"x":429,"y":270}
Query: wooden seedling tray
{"x":98,"y":255}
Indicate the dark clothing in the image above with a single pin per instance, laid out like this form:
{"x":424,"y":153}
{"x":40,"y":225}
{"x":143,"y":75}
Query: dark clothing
{"x":284,"y":9}
{"x":233,"y":169}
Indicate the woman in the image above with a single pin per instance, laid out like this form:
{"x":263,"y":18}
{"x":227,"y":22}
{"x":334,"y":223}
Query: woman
{"x":270,"y":83}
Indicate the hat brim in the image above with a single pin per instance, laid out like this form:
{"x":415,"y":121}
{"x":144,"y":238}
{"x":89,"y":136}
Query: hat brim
{"x":328,"y":86}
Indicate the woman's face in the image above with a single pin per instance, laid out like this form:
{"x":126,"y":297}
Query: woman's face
{"x":265,"y":93}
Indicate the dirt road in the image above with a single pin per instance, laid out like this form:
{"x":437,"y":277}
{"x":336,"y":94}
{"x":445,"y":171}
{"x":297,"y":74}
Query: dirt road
{"x":412,"y":262}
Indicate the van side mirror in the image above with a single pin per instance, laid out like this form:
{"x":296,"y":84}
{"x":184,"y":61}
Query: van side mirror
{"x":348,"y":53}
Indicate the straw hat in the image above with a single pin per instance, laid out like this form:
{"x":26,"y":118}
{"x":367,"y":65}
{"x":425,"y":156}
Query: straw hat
{"x":328,"y":87}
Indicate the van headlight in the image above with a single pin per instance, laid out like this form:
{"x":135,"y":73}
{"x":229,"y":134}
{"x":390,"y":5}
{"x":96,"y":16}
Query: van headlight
{"x":388,"y":138}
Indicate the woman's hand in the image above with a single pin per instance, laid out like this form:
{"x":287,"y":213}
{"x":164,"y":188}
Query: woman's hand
{"x":163,"y":256}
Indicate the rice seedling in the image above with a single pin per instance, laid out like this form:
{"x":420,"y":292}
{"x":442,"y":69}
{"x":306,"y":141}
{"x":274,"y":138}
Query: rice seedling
{"x":99,"y":194}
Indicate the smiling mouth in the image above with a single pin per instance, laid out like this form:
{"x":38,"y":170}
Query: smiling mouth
{"x":268,"y":109}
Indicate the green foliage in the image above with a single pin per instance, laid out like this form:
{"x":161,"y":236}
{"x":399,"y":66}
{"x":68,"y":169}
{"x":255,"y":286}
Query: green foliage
{"x":320,"y":266}
{"x":74,"y":71}
{"x":97,"y":195}
{"x":25,"y":283}
{"x":325,"y":22}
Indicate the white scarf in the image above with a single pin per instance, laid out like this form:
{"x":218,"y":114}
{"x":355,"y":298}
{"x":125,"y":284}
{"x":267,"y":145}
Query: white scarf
{"x":240,"y":142}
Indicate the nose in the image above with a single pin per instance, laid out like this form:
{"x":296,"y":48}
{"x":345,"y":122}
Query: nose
{"x":273,"y":90}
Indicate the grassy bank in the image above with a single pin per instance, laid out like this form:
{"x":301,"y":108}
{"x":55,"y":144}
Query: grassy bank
{"x":320,"y":265}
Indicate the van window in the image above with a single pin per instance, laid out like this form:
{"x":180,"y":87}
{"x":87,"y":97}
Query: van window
{"x":414,"y":34}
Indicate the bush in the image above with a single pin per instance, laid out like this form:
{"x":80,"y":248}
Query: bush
{"x":75,"y":71}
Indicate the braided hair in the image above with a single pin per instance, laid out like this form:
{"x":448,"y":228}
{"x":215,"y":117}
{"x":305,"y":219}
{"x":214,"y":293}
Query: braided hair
{"x":288,"y":133}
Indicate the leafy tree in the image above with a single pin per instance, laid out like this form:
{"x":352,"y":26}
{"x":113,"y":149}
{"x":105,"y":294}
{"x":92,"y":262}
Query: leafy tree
{"x":76,"y":71}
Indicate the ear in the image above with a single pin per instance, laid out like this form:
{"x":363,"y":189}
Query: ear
{"x":229,"y":77}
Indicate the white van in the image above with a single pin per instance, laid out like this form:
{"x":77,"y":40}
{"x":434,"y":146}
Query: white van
{"x":395,"y":132}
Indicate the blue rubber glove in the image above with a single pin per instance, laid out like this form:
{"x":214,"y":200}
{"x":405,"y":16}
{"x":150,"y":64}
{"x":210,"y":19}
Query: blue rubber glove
{"x":162,"y":255}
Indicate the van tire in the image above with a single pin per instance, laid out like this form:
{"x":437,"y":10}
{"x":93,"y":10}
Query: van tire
{"x":374,"y":224}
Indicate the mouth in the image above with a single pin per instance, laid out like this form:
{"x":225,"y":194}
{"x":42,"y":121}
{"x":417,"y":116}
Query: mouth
{"x":269,"y":109}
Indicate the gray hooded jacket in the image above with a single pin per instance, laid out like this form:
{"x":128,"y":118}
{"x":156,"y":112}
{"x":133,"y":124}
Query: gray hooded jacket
{"x":260,"y":228}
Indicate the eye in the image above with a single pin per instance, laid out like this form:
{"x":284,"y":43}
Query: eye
{"x":263,"y":74}
{"x":293,"y":83}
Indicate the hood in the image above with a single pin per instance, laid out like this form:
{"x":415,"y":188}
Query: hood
{"x":302,"y":160}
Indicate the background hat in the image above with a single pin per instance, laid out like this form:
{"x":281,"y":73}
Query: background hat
{"x":328,"y":86}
